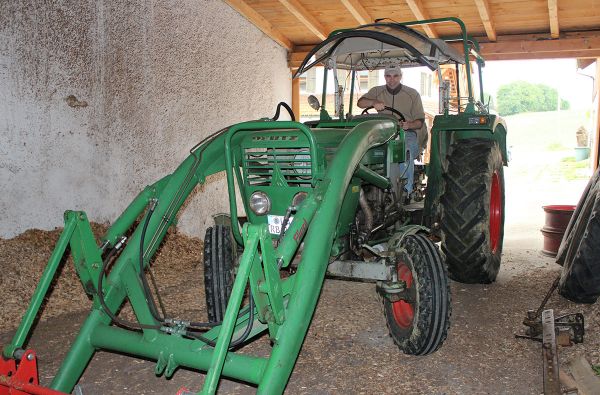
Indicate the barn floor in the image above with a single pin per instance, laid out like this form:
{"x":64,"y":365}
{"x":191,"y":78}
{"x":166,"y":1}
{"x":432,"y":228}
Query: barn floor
{"x":347,"y":349}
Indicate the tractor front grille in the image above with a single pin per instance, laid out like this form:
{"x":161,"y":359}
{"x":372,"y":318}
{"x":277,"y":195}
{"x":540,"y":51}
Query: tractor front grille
{"x":262,"y":165}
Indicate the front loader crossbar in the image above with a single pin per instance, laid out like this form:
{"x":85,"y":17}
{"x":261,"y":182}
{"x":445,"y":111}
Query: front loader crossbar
{"x":281,"y":306}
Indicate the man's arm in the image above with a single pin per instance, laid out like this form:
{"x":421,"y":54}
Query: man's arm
{"x":365,"y":102}
{"x":368,"y":100}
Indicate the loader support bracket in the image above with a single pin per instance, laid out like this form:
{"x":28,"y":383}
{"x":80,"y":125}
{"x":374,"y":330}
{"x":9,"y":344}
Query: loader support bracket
{"x":22,"y":378}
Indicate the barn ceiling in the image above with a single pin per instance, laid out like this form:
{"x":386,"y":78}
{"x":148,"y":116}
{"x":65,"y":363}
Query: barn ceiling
{"x":506,"y":29}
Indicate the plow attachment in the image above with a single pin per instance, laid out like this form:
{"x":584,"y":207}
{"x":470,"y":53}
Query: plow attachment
{"x":113,"y":273}
{"x":22,"y":378}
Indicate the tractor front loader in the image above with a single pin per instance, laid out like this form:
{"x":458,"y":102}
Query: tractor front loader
{"x":283,"y":306}
{"x":324,"y":197}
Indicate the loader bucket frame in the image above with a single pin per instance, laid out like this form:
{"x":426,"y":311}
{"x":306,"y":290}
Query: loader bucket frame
{"x":284,"y":306}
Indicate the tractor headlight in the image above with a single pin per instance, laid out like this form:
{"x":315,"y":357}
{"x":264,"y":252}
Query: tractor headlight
{"x":260,"y":203}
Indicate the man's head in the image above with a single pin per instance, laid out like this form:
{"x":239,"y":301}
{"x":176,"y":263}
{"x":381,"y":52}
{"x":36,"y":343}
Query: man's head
{"x":393,"y":75}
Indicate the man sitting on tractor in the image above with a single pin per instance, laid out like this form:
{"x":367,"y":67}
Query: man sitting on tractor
{"x":407,"y":101}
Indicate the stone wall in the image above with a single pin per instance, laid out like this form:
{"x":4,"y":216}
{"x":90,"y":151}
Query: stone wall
{"x":100,"y":98}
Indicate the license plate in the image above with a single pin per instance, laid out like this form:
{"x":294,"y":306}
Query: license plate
{"x":275,"y":223}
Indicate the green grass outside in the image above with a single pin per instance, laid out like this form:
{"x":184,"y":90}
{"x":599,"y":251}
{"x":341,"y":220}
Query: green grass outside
{"x":543,"y":145}
{"x":546,"y":130}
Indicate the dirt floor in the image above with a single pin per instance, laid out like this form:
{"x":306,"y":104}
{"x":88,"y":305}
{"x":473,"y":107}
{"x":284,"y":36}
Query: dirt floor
{"x":347,"y":349}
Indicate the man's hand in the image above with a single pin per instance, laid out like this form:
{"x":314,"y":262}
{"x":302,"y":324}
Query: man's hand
{"x":416,"y":124}
{"x":364,"y":102}
{"x":378,"y":105}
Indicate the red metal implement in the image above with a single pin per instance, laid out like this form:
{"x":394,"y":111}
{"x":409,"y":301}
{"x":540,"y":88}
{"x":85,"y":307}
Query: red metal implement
{"x":22,"y":379}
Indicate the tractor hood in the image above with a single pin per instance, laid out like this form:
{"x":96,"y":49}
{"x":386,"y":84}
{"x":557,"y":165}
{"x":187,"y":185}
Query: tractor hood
{"x":377,"y":46}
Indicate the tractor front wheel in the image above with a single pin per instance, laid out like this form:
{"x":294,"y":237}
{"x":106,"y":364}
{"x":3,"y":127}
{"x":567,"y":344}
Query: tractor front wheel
{"x":218,"y":271}
{"x":472,"y":211}
{"x":419,"y":323}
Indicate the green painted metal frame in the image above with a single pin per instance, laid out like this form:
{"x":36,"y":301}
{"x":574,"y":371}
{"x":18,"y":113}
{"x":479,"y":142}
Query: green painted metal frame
{"x":284,"y":306}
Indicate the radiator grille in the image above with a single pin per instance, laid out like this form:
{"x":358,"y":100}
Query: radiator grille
{"x":261,"y":164}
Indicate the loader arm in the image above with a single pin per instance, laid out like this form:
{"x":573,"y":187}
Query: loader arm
{"x":284,"y":306}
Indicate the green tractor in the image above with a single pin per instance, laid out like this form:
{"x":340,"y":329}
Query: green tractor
{"x":320,"y":198}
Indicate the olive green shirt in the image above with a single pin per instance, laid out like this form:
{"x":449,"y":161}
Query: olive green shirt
{"x":407,"y":101}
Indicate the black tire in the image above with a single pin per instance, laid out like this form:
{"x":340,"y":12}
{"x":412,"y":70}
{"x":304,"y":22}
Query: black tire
{"x":472,"y":211}
{"x":218,"y":271}
{"x":420,"y":326}
{"x":566,"y":240}
{"x":580,"y":278}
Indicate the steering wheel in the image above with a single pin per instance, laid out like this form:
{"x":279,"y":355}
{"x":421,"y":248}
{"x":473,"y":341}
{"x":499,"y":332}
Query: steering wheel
{"x":393,"y":110}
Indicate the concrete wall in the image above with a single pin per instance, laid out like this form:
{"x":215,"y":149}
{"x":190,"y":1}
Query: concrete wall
{"x":149,"y":80}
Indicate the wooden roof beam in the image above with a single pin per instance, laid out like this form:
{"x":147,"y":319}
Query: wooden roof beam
{"x":255,"y":18}
{"x":583,"y":63}
{"x":484,"y":13}
{"x":553,"y":12}
{"x":417,"y":9}
{"x":358,"y":11}
{"x":305,"y":17}
{"x":580,"y":46}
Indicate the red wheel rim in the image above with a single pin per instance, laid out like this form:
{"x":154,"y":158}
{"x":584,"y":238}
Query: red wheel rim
{"x":403,"y":311}
{"x":495,"y":212}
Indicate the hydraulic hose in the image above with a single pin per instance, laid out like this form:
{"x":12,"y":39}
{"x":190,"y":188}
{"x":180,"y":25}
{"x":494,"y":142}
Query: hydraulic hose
{"x":100,"y":294}
{"x":152,"y":304}
{"x":287,"y":107}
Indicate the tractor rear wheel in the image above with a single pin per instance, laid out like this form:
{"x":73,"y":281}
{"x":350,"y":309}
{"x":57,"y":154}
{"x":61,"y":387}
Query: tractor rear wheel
{"x":580,"y":278}
{"x":472,"y":211}
{"x":218,"y":271}
{"x":419,"y":324}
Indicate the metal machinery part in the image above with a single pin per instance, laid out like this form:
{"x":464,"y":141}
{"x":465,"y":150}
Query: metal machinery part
{"x":552,"y":332}
{"x":570,"y":327}
{"x":550,"y":354}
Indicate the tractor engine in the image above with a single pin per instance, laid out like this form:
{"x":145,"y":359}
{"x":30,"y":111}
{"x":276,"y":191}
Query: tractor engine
{"x":378,"y":209}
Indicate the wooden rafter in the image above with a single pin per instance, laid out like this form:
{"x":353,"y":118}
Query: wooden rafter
{"x":358,"y":11}
{"x":578,"y":46}
{"x":583,"y":63}
{"x":572,"y":45}
{"x":553,"y":12}
{"x":417,"y":8}
{"x":305,"y":17}
{"x":485,"y":15}
{"x":265,"y":26}
{"x":596,"y":147}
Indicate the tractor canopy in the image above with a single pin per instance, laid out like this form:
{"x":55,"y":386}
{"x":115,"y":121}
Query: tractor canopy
{"x":377,"y":46}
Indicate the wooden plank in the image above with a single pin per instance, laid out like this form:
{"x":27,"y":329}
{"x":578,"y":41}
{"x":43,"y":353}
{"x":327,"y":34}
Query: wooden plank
{"x":583,"y":63}
{"x":265,"y":26}
{"x":484,"y":11}
{"x":553,"y":13}
{"x":358,"y":11}
{"x":305,"y":17}
{"x":296,"y":97}
{"x":587,"y":382}
{"x":596,"y":147}
{"x":582,"y":44}
{"x":417,"y":9}
{"x":531,"y":46}
{"x":544,"y":55}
